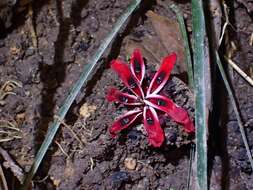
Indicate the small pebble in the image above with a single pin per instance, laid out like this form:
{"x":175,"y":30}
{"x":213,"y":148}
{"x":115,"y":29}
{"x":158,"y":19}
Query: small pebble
{"x":130,"y":163}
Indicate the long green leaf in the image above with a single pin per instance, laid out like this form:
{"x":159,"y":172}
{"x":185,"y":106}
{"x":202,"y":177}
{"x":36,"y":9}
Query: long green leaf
{"x":187,"y":52}
{"x":234,"y":105}
{"x":188,"y":60}
{"x":201,"y":90}
{"x":74,"y":91}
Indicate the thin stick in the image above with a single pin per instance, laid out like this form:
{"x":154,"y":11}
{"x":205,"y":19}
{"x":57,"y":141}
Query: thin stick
{"x":240,"y":71}
{"x":226,"y":22}
{"x":60,"y":147}
{"x":92,"y":163}
{"x":9,"y":163}
{"x":238,"y":117}
{"x":87,"y":71}
{"x":3,"y":179}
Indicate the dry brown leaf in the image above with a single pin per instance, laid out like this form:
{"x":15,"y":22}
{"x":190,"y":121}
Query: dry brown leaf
{"x":155,"y":47}
{"x":150,"y":47}
{"x":170,"y":36}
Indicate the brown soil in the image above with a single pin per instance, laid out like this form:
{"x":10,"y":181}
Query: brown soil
{"x":68,"y":33}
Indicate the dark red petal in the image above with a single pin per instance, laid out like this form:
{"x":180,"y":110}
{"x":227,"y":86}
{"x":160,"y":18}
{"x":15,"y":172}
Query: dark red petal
{"x":152,"y":126}
{"x":162,"y":75}
{"x":124,"y":121}
{"x":177,"y":113}
{"x":137,"y":65}
{"x":126,"y":76}
{"x":114,"y":95}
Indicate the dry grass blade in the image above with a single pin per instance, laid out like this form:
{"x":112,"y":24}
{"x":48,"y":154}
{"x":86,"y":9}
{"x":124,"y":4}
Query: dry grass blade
{"x":9,"y":131}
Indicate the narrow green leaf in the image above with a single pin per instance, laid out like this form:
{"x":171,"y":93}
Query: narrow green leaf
{"x":188,"y":59}
{"x":201,"y":65}
{"x":187,"y":52}
{"x":234,"y":105}
{"x":87,"y":71}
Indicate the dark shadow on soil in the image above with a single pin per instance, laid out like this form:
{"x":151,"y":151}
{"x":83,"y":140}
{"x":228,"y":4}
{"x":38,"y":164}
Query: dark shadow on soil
{"x":222,"y":148}
{"x":174,"y":154}
{"x":19,"y":18}
{"x":217,"y":141}
{"x":53,"y":75}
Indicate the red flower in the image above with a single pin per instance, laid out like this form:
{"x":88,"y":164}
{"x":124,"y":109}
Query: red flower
{"x":145,"y":99}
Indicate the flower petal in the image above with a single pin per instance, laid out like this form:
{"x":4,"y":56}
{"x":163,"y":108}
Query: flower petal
{"x":152,"y":126}
{"x":162,"y":75}
{"x":177,"y":113}
{"x":126,"y":76}
{"x":114,"y":95}
{"x":124,"y":121}
{"x":137,"y":65}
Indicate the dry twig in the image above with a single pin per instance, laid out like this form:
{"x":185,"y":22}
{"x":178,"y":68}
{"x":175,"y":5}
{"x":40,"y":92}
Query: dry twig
{"x":60,"y":147}
{"x":240,"y":71}
{"x":12,"y":165}
{"x":3,"y":183}
{"x":92,"y":164}
{"x":72,"y":132}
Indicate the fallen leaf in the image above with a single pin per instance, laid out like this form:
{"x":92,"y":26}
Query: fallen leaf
{"x":170,"y":36}
{"x":151,"y":49}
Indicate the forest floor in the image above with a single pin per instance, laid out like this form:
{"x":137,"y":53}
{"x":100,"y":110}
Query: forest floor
{"x":42,"y":55}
